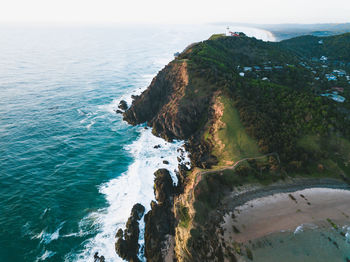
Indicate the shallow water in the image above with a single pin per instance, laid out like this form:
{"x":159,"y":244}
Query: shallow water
{"x":71,"y":169}
{"x":307,"y":243}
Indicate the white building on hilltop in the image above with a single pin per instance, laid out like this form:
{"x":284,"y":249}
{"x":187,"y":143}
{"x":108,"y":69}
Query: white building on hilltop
{"x":228,"y":31}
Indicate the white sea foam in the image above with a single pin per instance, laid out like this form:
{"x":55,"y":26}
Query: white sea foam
{"x":346,"y":228}
{"x":45,"y":254}
{"x":92,"y":122}
{"x":46,"y":237}
{"x":134,"y":186}
{"x":45,"y":212}
{"x":298,"y":230}
{"x":110,"y":107}
{"x":302,"y":227}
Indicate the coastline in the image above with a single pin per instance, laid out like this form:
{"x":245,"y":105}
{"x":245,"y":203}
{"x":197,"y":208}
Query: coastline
{"x":261,"y":212}
{"x":240,"y":195}
{"x":166,"y":109}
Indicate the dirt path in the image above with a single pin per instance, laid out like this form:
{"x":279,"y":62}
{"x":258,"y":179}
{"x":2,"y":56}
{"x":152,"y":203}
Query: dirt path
{"x":200,"y":174}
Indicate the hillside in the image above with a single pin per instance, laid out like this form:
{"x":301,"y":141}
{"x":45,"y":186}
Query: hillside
{"x":251,"y":112}
{"x":336,"y":48}
{"x":286,"y":31}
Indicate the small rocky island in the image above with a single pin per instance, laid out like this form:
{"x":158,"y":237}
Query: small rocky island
{"x":255,"y":124}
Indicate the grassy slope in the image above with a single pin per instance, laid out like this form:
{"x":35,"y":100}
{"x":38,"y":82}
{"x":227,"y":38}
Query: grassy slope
{"x":231,"y":142}
{"x":237,"y":143}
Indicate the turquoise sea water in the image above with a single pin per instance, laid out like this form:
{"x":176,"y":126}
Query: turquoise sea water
{"x":307,"y":244}
{"x":70,"y":168}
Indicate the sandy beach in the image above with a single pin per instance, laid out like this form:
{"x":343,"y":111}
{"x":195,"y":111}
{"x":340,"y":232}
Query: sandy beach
{"x":286,"y":212}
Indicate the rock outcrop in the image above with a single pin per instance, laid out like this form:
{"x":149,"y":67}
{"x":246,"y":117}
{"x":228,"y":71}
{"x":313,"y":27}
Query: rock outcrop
{"x":164,"y":105}
{"x":123,"y":105}
{"x":127,"y":246}
{"x":172,"y":113}
{"x":98,"y":258}
{"x":160,"y":221}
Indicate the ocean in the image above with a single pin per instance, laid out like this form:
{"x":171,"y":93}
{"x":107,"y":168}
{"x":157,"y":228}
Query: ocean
{"x":308,"y":243}
{"x":70,"y":168}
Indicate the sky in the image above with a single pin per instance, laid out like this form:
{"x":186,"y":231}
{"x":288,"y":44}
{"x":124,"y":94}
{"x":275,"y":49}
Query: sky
{"x":174,"y":11}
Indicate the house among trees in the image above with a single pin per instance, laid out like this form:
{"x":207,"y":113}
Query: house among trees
{"x":331,"y":77}
{"x":339,"y":72}
{"x":229,"y":33}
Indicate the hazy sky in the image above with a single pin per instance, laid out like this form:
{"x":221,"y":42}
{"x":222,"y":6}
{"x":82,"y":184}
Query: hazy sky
{"x":174,"y":11}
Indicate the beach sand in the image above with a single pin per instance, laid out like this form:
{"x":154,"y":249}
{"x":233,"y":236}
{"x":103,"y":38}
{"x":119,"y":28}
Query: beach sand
{"x":286,"y":212}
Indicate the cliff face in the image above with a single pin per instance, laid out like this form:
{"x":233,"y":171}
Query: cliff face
{"x":164,"y":106}
{"x":176,"y":106}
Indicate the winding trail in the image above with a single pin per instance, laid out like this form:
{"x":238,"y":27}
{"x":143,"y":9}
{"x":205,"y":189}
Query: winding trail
{"x":236,"y":164}
{"x":240,"y":161}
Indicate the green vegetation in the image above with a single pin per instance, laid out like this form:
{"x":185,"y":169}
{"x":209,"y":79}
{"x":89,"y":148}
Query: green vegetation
{"x":184,"y":216}
{"x":216,"y":36}
{"x":233,"y":135}
{"x":334,"y":47}
{"x":332,"y":224}
{"x":249,"y":253}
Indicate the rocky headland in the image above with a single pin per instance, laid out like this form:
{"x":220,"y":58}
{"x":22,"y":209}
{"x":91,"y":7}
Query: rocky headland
{"x":249,"y":120}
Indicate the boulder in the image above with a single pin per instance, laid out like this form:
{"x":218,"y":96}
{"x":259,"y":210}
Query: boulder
{"x":123,"y":105}
{"x":127,"y":246}
{"x":163,"y":186}
{"x":98,"y":258}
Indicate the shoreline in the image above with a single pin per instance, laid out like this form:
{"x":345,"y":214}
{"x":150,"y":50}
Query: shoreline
{"x":261,"y":212}
{"x":249,"y":192}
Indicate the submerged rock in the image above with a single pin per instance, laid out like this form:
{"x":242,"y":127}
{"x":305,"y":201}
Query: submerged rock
{"x":127,"y":246}
{"x":98,"y":258}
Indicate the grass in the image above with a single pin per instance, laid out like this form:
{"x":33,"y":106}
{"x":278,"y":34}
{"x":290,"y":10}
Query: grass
{"x":332,"y":224}
{"x":238,"y":144}
{"x":216,"y":36}
{"x":310,"y":143}
{"x":184,"y":216}
{"x":333,"y":155}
